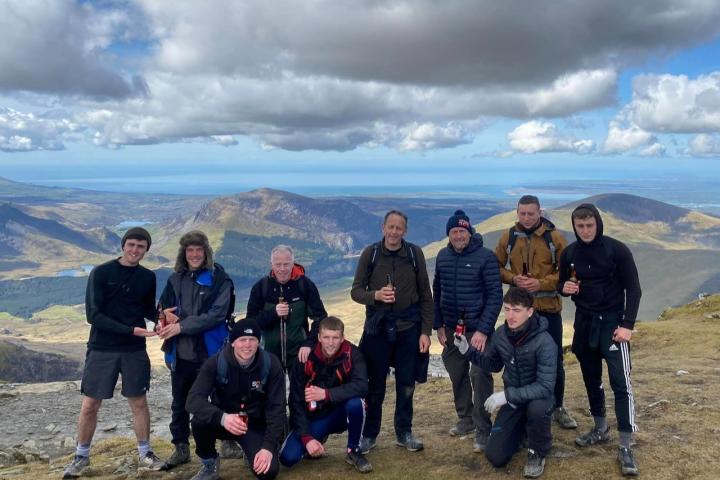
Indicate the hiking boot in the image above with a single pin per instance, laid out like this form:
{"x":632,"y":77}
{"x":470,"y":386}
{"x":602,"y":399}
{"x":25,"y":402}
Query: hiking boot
{"x":461,"y":429}
{"x":358,"y":460}
{"x":76,"y":467}
{"x":592,"y":437}
{"x":627,"y":462}
{"x":480,"y":441}
{"x":230,"y":449}
{"x":367,"y":444}
{"x":411,"y":443}
{"x":535,"y":465}
{"x":563,"y":418}
{"x":180,"y":456}
{"x":150,"y":462}
{"x":208,"y":471}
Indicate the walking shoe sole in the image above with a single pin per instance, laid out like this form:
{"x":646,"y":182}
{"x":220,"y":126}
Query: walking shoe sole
{"x":350,"y":462}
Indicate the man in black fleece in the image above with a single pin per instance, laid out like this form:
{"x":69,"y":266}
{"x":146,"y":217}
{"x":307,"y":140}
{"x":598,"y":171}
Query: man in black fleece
{"x":599,"y":273}
{"x":120,"y":295}
{"x":246,"y":387}
{"x":527,"y":354}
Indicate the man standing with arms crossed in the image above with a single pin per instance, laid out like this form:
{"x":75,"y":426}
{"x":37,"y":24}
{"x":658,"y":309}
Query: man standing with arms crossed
{"x":600,"y":274}
{"x":467,"y":289}
{"x":120,"y":295}
{"x":528,"y":254}
{"x":391,"y":281}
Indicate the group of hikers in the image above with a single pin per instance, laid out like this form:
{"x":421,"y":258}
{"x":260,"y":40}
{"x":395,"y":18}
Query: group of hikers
{"x":230,"y":377}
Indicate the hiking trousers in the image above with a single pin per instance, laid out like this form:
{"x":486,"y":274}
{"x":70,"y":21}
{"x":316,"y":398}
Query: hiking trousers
{"x":555,"y":329}
{"x":181,"y":380}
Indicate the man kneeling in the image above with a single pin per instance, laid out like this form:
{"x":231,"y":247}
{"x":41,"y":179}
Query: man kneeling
{"x":529,"y":357}
{"x":246,"y":386}
{"x":326,"y":396}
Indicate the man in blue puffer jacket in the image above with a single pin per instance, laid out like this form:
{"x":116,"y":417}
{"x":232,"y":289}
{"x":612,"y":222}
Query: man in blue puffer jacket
{"x":527,"y":354}
{"x":467,"y":285}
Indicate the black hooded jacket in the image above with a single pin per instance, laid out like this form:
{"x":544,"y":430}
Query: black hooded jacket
{"x":606,"y":284}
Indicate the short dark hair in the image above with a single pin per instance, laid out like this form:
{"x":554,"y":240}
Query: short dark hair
{"x":395,"y":212}
{"x":518,"y":296}
{"x":529,"y":200}
{"x":332,"y":323}
{"x":582,"y":213}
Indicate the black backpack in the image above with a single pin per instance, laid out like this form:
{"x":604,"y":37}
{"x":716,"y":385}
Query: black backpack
{"x":547,"y":236}
{"x":410,"y":248}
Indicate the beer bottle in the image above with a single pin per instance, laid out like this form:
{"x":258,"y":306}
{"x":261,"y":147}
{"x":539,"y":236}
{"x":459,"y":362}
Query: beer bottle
{"x":573,"y":276}
{"x":160,"y":317}
{"x":460,"y":327}
{"x":389,"y":282}
{"x":242,"y":414}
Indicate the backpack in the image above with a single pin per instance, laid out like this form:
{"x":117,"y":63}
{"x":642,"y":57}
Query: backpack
{"x":373,"y":260}
{"x":221,"y":375}
{"x":547,"y":236}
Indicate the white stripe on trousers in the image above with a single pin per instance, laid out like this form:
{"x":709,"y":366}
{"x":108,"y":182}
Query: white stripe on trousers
{"x":625,"y":354}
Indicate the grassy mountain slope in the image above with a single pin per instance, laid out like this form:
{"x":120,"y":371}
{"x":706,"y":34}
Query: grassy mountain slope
{"x":678,"y":417}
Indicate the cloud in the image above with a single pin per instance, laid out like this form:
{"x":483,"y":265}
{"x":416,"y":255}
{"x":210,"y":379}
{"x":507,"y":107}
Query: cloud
{"x":705,"y":145}
{"x":655,"y":150}
{"x":575,"y":92}
{"x":23,"y":132}
{"x":676,"y":103}
{"x":620,"y":140}
{"x":536,"y":137}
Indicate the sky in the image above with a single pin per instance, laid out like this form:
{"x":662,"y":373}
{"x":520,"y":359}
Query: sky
{"x":339,"y":92}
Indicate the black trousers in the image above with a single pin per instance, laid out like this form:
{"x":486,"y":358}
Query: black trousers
{"x":619,"y":365}
{"x":181,"y":379}
{"x":533,"y":417}
{"x":206,"y":434}
{"x":379,"y":355}
{"x":555,"y":329}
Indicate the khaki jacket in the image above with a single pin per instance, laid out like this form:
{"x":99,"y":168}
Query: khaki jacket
{"x":535,"y":252}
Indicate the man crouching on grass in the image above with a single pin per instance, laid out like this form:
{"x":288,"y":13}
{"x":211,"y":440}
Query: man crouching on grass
{"x":528,"y":354}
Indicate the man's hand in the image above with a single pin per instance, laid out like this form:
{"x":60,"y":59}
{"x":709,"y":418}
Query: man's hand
{"x":303,"y":354}
{"x":461,"y":343}
{"x":528,"y":283}
{"x":262,"y":461}
{"x":315,"y":449}
{"x":233,"y":424}
{"x":495,"y":401}
{"x":141,"y":332}
{"x":169,"y":331}
{"x":622,"y":334}
{"x":424,"y":343}
{"x":170,"y":316}
{"x":315,"y":393}
{"x":282,"y":309}
{"x":442,"y":336}
{"x":570,"y":288}
{"x":385,"y":294}
{"x":478,"y":341}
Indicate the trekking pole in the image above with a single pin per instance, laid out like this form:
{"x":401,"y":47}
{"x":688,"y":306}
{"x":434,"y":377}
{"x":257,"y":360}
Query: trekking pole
{"x":283,"y":333}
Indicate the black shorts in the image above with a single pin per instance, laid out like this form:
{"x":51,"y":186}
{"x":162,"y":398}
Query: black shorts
{"x":102,"y":369}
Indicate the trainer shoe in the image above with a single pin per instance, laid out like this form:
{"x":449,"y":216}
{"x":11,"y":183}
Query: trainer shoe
{"x":358,"y":460}
{"x":367,"y":444}
{"x":208,"y":471}
{"x":627,"y":462}
{"x":563,"y":418}
{"x":150,"y":462}
{"x":535,"y":465}
{"x":411,"y":443}
{"x":180,"y":456}
{"x":480,"y":441}
{"x":76,"y":467}
{"x":592,"y":437}
{"x":230,"y":449}
{"x":461,"y":429}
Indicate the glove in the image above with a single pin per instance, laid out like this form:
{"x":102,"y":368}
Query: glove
{"x":495,"y":401}
{"x":461,"y":343}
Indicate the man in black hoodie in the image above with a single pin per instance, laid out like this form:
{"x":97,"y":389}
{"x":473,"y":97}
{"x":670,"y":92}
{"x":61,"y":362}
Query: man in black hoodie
{"x":599,"y":273}
{"x":246,"y":387}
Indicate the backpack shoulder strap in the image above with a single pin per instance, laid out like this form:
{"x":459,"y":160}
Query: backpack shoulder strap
{"x":265,"y":287}
{"x":413,"y":255}
{"x":222,"y":367}
{"x":512,"y":238}
{"x":547,"y":236}
{"x":265,"y":368}
{"x":371,"y":264}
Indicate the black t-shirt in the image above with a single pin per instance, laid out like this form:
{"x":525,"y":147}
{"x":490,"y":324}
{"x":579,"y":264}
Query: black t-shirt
{"x":117,"y":300}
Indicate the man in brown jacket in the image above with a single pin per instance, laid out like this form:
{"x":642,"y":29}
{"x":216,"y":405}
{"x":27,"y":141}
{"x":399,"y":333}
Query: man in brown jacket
{"x":528,"y":254}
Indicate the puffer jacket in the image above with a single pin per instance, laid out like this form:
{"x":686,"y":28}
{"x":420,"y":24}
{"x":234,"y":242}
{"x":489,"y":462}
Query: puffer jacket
{"x":530,"y":366}
{"x":467,"y":282}
{"x":534,"y":251}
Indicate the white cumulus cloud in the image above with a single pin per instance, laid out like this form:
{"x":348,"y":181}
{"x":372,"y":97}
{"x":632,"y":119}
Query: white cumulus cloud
{"x":620,"y":140}
{"x":705,"y":145}
{"x":536,"y":137}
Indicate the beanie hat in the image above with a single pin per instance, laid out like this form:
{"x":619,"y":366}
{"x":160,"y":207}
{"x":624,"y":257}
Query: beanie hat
{"x":244,"y":328}
{"x":459,"y":219}
{"x":137,"y":233}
